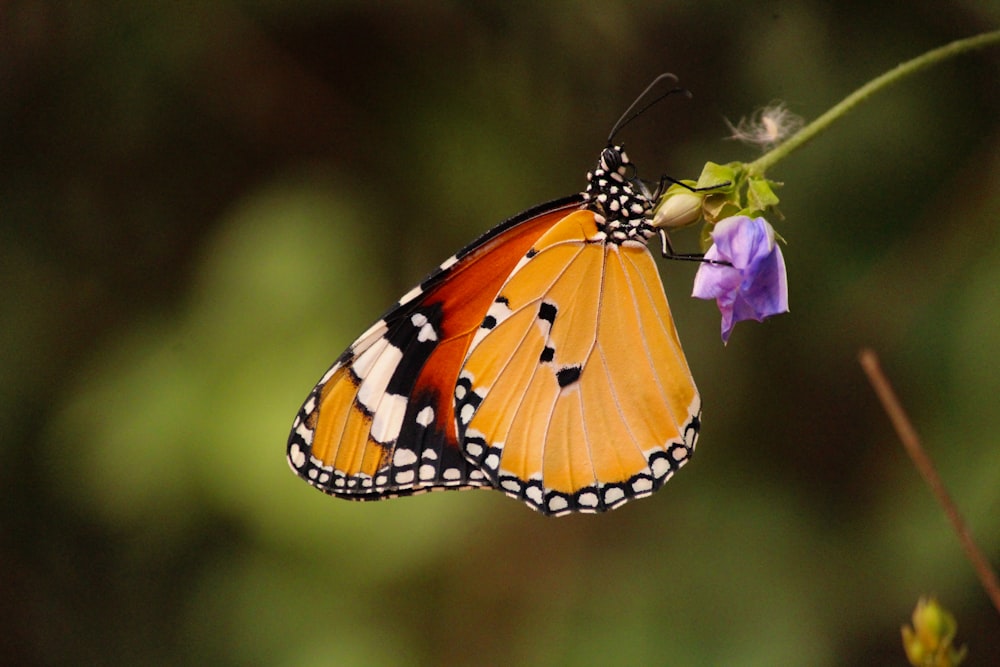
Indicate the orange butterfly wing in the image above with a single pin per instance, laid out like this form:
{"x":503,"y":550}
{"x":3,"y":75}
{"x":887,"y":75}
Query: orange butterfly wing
{"x":577,"y":395}
{"x":380,"y":422}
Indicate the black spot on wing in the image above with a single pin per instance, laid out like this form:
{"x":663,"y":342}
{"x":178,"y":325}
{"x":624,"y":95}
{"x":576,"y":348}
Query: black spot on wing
{"x":547,"y":311}
{"x":547,"y":355}
{"x":568,"y":375}
{"x":490,"y":321}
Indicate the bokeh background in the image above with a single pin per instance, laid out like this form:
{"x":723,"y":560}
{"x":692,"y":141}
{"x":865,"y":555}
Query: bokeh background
{"x":202,"y":204}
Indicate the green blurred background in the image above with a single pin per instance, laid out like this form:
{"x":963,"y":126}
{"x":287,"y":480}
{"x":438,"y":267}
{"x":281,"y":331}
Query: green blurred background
{"x":202,"y":204}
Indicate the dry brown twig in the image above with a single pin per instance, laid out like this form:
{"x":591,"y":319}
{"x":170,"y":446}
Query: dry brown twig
{"x":911,"y":442}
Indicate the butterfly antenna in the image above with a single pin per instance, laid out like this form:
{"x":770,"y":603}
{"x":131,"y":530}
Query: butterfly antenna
{"x":633,"y":112}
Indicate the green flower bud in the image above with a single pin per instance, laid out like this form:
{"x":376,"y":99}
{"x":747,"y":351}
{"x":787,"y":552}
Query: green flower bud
{"x":678,"y":208}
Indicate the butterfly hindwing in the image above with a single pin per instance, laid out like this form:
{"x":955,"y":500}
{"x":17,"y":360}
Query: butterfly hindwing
{"x":578,"y":397}
{"x":380,"y":422}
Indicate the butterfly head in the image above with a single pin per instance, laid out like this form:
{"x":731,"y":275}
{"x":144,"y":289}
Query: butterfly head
{"x":619,"y":200}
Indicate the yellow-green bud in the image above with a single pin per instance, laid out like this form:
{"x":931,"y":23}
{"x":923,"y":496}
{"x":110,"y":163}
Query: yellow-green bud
{"x":929,"y":642}
{"x":678,"y":210}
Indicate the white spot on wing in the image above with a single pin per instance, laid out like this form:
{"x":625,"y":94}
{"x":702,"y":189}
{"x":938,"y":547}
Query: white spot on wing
{"x":613,"y":495}
{"x":499,"y":310}
{"x":411,"y":295}
{"x":305,"y":433}
{"x":296,"y":456}
{"x":425,"y":417}
{"x":511,"y":485}
{"x":374,"y":333}
{"x":389,"y":419}
{"x":427,"y":331}
{"x":375,"y":367}
{"x":364,"y":362}
{"x":404,"y":457}
{"x":642,"y":485}
{"x":557,"y":503}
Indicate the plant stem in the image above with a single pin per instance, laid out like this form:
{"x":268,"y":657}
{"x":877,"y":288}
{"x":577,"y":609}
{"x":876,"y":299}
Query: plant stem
{"x":911,"y":442}
{"x":800,"y":138}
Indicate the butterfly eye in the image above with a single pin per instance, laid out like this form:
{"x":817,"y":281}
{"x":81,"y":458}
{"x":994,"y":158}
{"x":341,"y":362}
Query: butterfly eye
{"x":611,"y":159}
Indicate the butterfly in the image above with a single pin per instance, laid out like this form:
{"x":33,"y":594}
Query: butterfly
{"x":541,"y":360}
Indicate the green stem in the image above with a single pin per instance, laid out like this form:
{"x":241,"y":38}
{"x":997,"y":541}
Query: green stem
{"x":800,"y":138}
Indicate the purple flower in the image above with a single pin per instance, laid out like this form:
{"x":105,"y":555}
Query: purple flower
{"x":755,"y":286}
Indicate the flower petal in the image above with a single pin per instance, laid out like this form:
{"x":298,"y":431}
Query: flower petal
{"x":752,"y":283}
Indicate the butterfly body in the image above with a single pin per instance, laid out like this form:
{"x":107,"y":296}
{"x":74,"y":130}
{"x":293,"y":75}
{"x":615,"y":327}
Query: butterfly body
{"x":541,"y":360}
